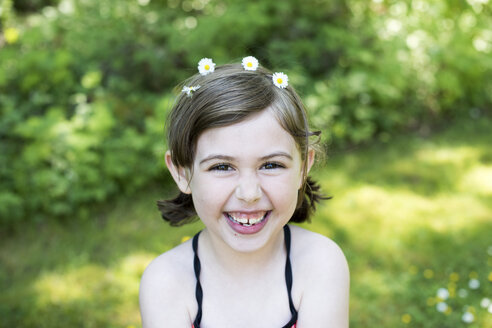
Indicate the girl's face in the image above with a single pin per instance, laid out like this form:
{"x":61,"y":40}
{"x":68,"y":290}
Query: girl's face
{"x":245,"y":181}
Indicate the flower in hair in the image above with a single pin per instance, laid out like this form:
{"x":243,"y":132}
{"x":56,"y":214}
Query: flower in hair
{"x":280,"y":80}
{"x":189,"y":90}
{"x":250,"y":63}
{"x":206,"y":66}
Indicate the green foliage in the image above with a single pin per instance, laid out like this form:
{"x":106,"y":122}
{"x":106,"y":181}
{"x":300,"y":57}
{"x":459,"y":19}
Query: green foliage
{"x":85,"y":85}
{"x":23,"y":6}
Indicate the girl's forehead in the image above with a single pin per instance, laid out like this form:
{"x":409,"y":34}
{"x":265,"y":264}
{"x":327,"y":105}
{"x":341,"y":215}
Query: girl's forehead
{"x":258,"y":135}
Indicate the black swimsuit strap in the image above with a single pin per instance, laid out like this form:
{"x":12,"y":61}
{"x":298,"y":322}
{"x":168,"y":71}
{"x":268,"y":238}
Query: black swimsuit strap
{"x":288,"y":280}
{"x":198,"y":288}
{"x":288,"y":277}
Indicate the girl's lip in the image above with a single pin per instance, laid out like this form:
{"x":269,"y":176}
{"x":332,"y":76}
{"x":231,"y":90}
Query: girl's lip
{"x":247,"y":230}
{"x":247,"y":212}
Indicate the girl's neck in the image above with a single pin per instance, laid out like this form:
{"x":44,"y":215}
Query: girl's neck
{"x":231,"y":262}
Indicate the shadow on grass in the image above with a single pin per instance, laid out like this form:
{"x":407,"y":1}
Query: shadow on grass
{"x":84,"y":273}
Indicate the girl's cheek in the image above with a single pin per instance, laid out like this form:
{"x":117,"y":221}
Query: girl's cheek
{"x":288,"y":181}
{"x":212,"y":189}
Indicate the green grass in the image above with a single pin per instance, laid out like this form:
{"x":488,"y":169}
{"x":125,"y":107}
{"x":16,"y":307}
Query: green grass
{"x":412,"y":215}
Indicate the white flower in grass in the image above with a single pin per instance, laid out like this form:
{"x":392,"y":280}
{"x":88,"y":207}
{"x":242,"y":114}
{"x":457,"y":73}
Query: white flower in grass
{"x":206,"y":66}
{"x":441,"y":307}
{"x":280,"y":80}
{"x":485,"y":303}
{"x":474,"y":284}
{"x":462,"y":293}
{"x":490,"y":308}
{"x":250,"y":63}
{"x":468,"y":317}
{"x":443,"y":294}
{"x":189,"y":90}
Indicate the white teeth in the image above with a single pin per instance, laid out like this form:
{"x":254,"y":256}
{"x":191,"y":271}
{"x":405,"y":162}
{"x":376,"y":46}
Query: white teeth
{"x":245,"y":221}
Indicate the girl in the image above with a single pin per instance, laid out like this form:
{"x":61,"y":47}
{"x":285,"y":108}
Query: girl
{"x":240,"y":153}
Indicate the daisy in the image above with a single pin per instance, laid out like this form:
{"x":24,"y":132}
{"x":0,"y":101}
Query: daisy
{"x":206,"y":66}
{"x":462,"y":293}
{"x":280,"y":80}
{"x":468,"y":317}
{"x":250,"y":63}
{"x":189,"y":90}
{"x":443,"y":294}
{"x":441,"y":307}
{"x":474,"y":284}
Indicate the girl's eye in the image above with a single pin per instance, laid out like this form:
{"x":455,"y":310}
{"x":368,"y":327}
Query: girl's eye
{"x":221,"y":167}
{"x":271,"y":166}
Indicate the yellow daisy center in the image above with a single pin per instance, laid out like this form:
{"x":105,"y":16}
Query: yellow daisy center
{"x":279,"y":81}
{"x":207,"y":67}
{"x":250,"y":64}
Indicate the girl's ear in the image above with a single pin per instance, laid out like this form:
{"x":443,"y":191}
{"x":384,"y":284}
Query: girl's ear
{"x":179,"y":174}
{"x":310,"y":160}
{"x":309,"y":164}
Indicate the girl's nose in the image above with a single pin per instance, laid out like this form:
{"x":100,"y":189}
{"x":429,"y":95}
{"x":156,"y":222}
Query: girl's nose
{"x":248,"y":189}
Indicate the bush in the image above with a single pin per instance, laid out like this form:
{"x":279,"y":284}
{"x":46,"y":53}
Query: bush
{"x":85,"y":85}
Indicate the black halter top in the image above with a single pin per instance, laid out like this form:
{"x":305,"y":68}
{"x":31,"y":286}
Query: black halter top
{"x":288,"y":281}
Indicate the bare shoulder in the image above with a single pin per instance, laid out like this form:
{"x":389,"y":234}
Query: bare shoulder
{"x":321,"y":277}
{"x":167,"y":289}
{"x":313,"y":249}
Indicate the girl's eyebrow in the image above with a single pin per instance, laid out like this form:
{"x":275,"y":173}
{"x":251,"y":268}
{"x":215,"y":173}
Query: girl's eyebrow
{"x":277,"y":154}
{"x":230,"y":159}
{"x":213,"y":156}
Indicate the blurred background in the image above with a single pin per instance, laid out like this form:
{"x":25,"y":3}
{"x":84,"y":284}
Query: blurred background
{"x":401,"y":89}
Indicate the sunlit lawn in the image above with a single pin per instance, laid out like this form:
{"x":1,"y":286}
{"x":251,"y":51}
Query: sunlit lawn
{"x":412,"y":215}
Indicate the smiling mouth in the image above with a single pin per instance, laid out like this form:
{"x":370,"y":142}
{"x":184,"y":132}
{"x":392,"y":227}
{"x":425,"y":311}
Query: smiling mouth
{"x":247,"y":219}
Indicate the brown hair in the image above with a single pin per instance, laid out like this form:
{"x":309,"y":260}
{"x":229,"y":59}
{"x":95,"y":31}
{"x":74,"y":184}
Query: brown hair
{"x":229,"y":95}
